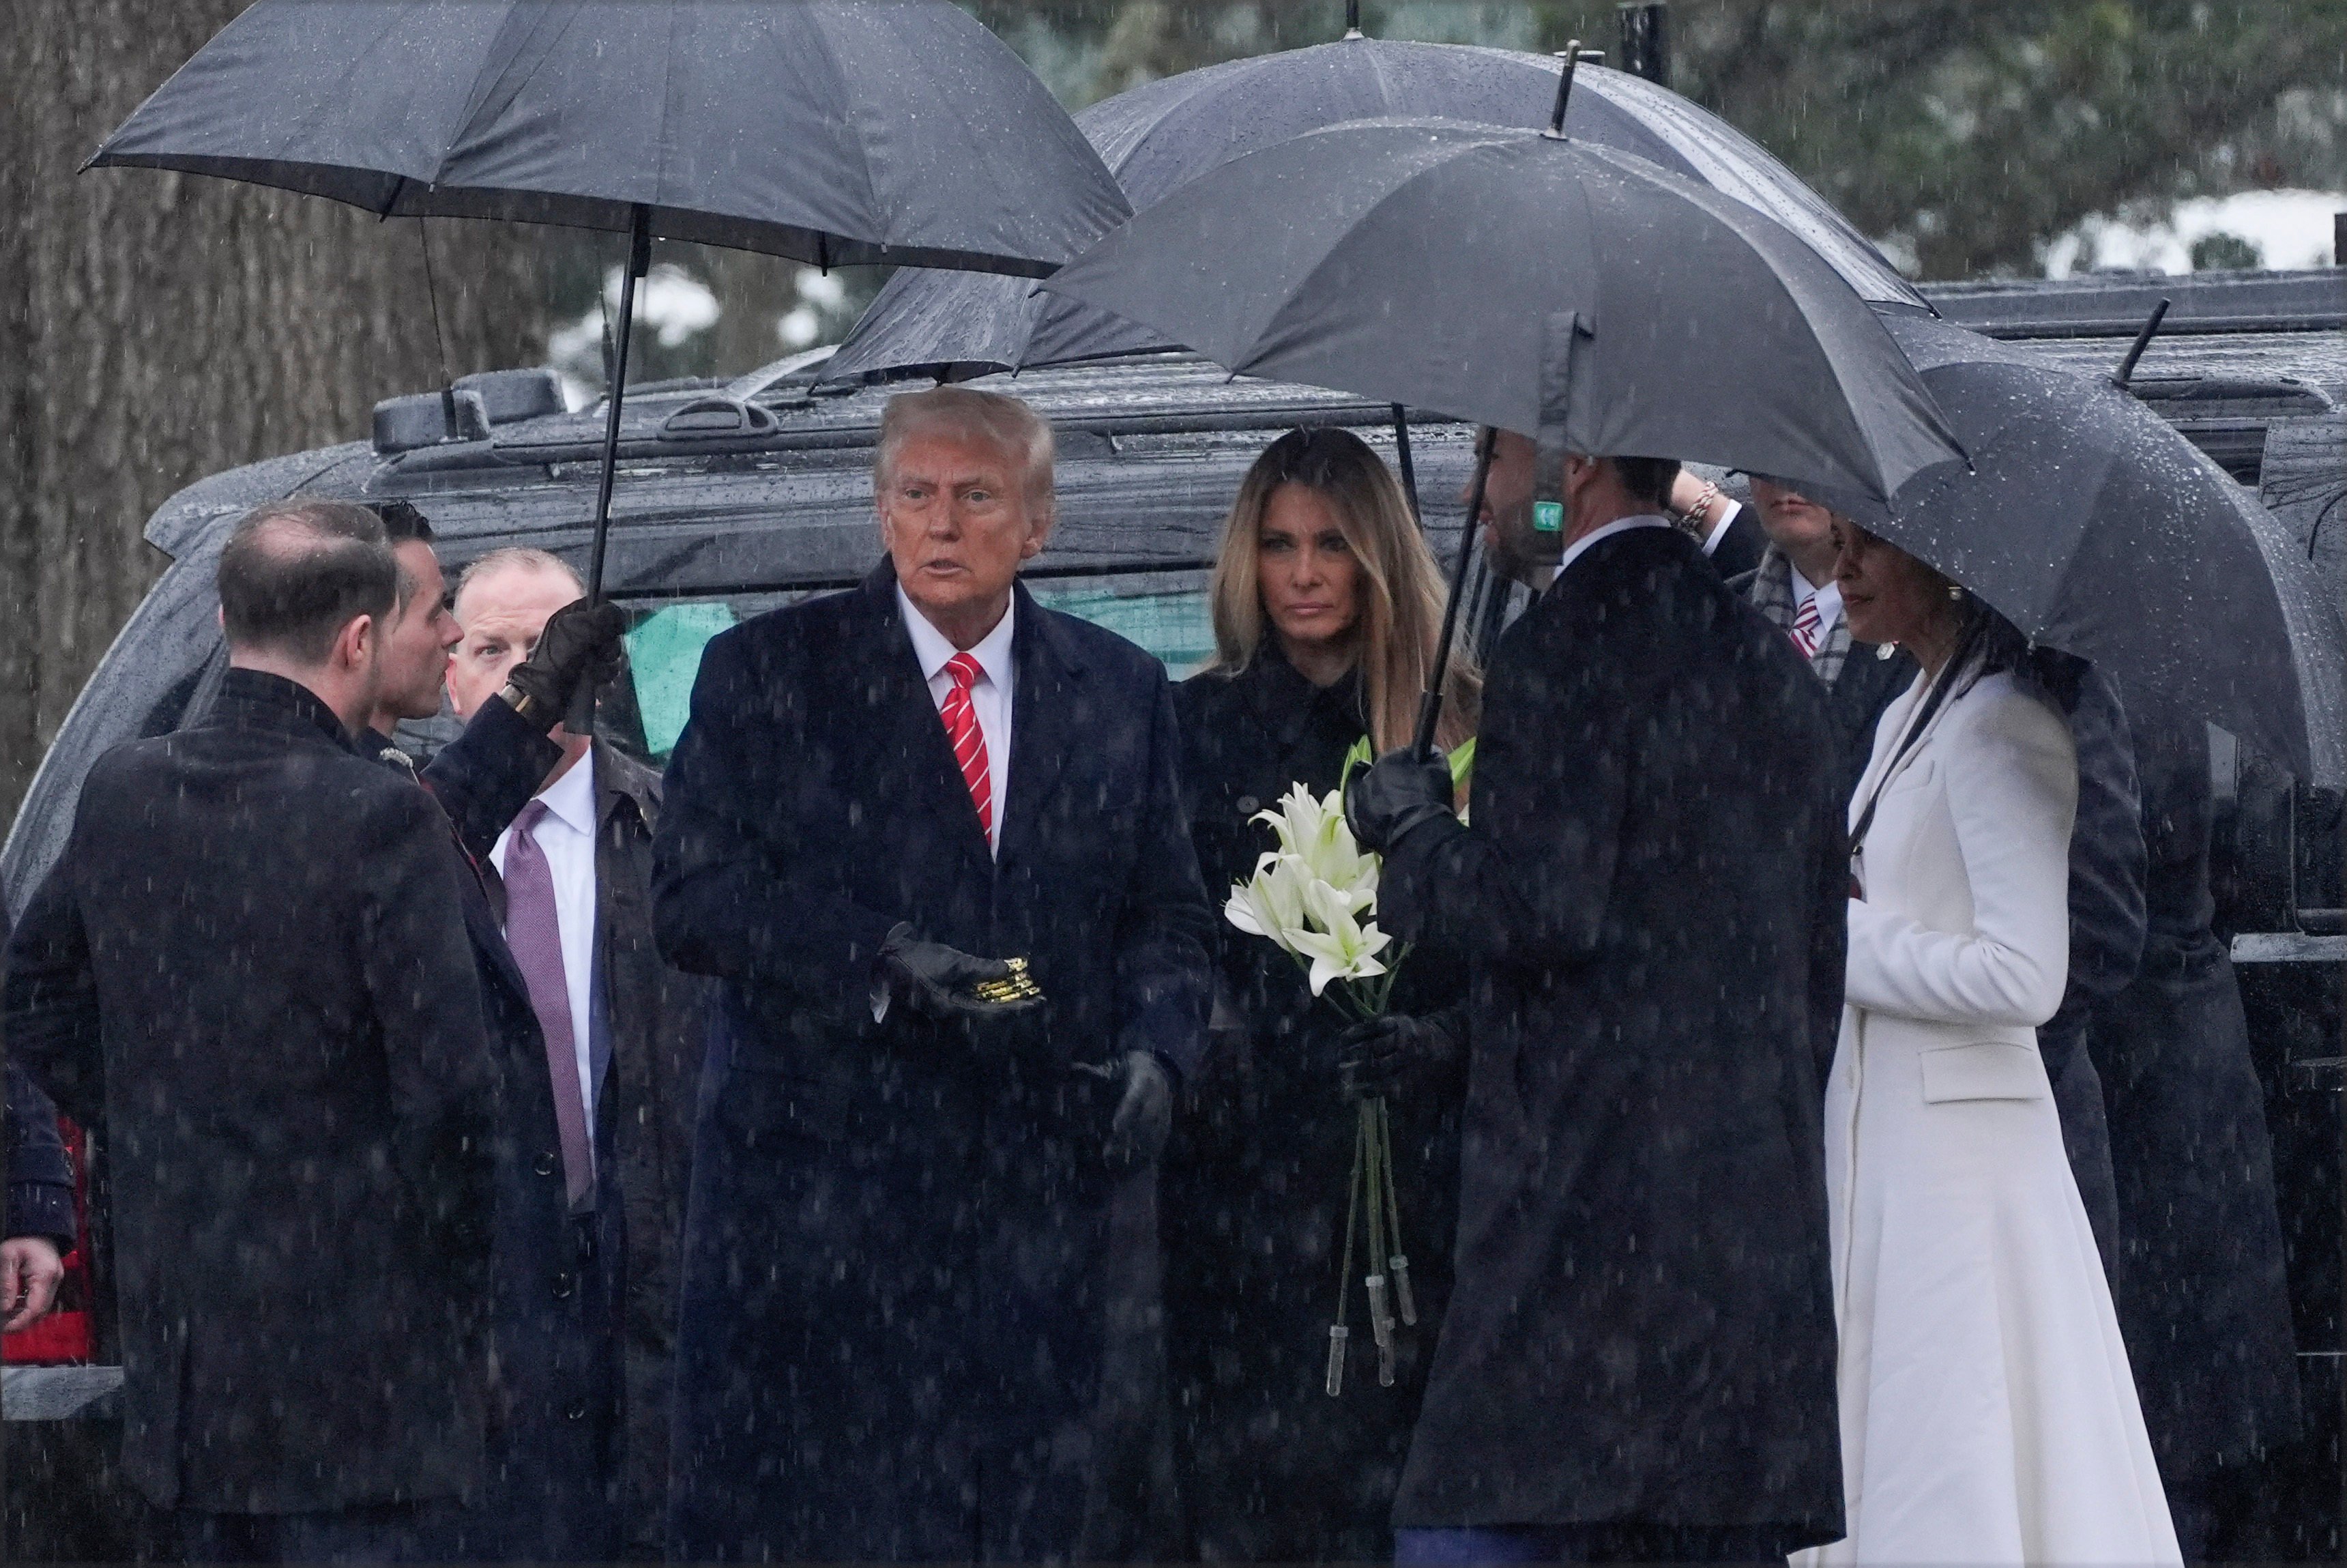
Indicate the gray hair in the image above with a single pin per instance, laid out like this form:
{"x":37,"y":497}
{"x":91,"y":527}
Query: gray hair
{"x":991,"y":416}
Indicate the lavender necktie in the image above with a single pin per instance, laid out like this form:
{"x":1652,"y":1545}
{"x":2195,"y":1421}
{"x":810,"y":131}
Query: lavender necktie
{"x":535,"y":934}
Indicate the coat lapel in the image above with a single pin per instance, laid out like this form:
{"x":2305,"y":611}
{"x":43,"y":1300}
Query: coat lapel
{"x":1045,"y":710}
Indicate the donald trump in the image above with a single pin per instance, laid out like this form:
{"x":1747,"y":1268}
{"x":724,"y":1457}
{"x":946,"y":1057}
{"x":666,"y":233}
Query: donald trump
{"x":899,"y":1256}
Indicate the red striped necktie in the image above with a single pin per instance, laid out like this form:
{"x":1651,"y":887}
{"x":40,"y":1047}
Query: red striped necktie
{"x":1805,"y":628}
{"x":968,"y":740}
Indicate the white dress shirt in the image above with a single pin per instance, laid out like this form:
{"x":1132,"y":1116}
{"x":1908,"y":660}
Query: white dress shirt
{"x":989,"y":694}
{"x":1580,"y":547}
{"x":1827,"y":599}
{"x":1719,"y":529}
{"x":565,"y":835}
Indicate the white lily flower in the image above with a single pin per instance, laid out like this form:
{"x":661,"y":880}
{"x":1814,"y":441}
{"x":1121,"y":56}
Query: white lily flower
{"x":1315,"y":830}
{"x":1271,"y":903}
{"x":1341,"y":948}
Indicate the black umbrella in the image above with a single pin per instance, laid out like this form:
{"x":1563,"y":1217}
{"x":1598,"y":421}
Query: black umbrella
{"x":1158,"y":136}
{"x":2096,"y":528}
{"x":828,"y":131}
{"x":1532,"y":282}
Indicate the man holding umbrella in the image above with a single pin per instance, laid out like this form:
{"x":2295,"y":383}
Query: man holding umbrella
{"x":1639,"y":1360}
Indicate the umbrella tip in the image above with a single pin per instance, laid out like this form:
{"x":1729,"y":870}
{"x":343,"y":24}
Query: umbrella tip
{"x":1571,"y":55}
{"x":1353,"y":20}
{"x":2142,"y":342}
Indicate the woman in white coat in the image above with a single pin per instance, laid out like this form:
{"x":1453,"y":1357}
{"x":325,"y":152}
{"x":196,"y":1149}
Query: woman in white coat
{"x":1988,"y":1414}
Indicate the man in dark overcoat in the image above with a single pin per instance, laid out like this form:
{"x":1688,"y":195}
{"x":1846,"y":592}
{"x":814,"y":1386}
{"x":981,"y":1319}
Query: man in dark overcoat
{"x":646,"y":1020}
{"x":247,"y":973}
{"x":898,"y":1285}
{"x":553,"y":1485}
{"x":2199,"y":1277}
{"x":1638,"y":1362}
{"x":1794,"y":587}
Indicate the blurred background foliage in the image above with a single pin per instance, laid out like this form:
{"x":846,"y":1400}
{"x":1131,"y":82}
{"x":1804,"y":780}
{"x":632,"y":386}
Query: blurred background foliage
{"x":1968,"y":136}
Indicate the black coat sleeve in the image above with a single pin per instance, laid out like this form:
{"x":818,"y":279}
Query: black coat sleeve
{"x":485,"y":776}
{"x":40,"y":1176}
{"x":726,"y":900}
{"x":51,"y":1007}
{"x":1164,"y":980}
{"x":417,"y":966}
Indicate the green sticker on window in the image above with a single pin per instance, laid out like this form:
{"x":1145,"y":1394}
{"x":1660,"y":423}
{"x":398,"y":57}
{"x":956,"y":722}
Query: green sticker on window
{"x":1548,"y":517}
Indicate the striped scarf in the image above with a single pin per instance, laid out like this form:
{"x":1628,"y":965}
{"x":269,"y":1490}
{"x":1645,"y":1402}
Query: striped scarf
{"x":1772,"y":595}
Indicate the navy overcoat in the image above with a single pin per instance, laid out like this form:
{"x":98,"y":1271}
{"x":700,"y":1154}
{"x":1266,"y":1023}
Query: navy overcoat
{"x":897,"y":1279}
{"x":1652,"y":899}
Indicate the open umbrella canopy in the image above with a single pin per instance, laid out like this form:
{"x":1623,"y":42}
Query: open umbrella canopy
{"x":829,"y":131}
{"x":1454,"y":267}
{"x":1157,"y":137}
{"x":2096,"y":528}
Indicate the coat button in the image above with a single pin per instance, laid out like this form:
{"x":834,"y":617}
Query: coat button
{"x":563,"y":1283}
{"x":1249,"y":805}
{"x":578,"y":1411}
{"x":546,"y":1164}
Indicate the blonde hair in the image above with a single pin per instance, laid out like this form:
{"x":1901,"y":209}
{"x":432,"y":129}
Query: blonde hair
{"x":991,"y":416}
{"x":1402,"y":589}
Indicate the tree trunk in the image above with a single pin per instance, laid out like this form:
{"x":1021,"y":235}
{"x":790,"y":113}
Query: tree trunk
{"x":163,"y":327}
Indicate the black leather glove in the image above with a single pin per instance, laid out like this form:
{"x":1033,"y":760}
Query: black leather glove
{"x":1394,"y":795}
{"x":579,"y":649}
{"x":1395,"y":1055}
{"x":1144,"y":1116}
{"x":937,"y":980}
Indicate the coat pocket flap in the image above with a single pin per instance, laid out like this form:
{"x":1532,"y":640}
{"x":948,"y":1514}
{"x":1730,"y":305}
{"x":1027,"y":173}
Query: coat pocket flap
{"x":1983,"y":1069}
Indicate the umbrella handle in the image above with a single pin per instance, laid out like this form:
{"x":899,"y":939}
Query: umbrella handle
{"x":1430,"y":704}
{"x":580,"y":720}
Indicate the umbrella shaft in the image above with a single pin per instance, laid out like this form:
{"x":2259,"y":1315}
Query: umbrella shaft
{"x":1430,"y":706}
{"x":1402,"y":461}
{"x":639,"y":262}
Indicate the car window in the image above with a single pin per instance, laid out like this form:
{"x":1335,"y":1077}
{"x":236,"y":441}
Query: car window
{"x":1163,"y":611}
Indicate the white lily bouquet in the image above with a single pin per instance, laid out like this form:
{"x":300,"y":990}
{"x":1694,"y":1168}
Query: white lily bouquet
{"x":1308,"y":897}
{"x":1315,"y":896}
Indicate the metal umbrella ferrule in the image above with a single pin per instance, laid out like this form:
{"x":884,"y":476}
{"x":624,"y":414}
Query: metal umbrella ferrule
{"x":2125,"y":373}
{"x":1571,"y":55}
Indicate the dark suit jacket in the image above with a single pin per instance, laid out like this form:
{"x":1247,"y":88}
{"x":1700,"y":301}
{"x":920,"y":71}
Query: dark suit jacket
{"x":554,"y":1421}
{"x":40,"y":1177}
{"x":894,"y":1295}
{"x":651,"y":1025}
{"x":248,"y":970}
{"x":1654,"y":898}
{"x":1866,"y":684}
